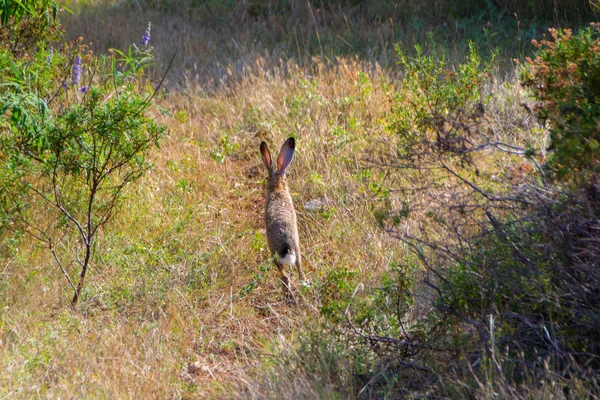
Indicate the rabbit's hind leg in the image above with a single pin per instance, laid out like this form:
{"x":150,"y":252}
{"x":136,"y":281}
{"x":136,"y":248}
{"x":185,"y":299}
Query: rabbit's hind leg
{"x":284,"y":279}
{"x":301,"y":275}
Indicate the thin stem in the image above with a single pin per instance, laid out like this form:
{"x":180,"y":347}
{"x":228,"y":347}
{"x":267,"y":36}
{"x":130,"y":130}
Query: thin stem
{"x":64,"y":272}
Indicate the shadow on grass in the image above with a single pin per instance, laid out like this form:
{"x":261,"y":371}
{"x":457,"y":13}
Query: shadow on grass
{"x":217,"y":42}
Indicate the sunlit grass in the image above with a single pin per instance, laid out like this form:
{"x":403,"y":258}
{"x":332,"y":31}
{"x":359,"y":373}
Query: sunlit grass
{"x":168,"y":275}
{"x":182,"y":273}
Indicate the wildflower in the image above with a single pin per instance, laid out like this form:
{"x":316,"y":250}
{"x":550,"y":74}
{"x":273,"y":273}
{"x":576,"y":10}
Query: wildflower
{"x":146,"y":37}
{"x":76,"y":71}
{"x":84,"y":89}
{"x":65,"y":85}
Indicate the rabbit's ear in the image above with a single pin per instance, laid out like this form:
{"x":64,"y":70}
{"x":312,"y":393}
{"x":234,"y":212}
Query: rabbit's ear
{"x":286,"y":154}
{"x":266,"y":155}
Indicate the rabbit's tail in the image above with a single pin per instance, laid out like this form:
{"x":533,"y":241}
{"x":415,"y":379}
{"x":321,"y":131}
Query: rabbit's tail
{"x":287,"y":256}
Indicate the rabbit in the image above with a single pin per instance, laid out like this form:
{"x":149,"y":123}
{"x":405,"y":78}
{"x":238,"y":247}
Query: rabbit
{"x":280,"y":217}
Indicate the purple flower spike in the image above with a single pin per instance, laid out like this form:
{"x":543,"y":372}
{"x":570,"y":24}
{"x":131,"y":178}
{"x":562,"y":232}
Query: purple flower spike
{"x":65,"y":85}
{"x":76,"y":71}
{"x":146,"y":38}
{"x":84,"y":89}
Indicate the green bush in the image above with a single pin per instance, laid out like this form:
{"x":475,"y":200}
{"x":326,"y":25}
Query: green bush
{"x":75,"y":133}
{"x":435,"y":106}
{"x":509,"y":280}
{"x":565,"y":78}
{"x":27,"y":23}
{"x":336,"y":293}
{"x":512,"y":281}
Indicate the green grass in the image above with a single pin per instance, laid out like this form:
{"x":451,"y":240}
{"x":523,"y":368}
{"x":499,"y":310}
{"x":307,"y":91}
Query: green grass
{"x":182,"y":274}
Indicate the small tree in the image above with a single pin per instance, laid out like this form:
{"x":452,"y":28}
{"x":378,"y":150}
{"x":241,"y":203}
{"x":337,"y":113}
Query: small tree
{"x":90,"y":154}
{"x":72,"y":146}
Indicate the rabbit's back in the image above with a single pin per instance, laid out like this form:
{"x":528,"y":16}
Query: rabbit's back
{"x":280,"y":221}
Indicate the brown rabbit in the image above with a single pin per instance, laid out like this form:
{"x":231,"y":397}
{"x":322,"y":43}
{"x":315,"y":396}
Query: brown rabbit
{"x":280,"y":217}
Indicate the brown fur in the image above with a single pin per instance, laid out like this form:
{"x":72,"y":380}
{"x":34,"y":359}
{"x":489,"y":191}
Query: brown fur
{"x":280,"y":216}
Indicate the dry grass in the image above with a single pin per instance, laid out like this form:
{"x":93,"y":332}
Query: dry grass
{"x":165,"y":288}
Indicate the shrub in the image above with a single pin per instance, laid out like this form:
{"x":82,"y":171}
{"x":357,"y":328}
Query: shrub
{"x":75,"y":134}
{"x":565,"y":78}
{"x":511,"y":280}
{"x":508,"y":273}
{"x":433,"y":109}
{"x":27,"y":23}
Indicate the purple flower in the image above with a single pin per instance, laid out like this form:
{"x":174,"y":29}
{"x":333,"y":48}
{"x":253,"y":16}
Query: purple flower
{"x":65,"y":85}
{"x":146,"y":38}
{"x":84,"y":89}
{"x":76,"y":71}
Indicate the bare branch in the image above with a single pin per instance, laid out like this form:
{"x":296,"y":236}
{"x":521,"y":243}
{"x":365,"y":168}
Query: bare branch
{"x":64,"y":272}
